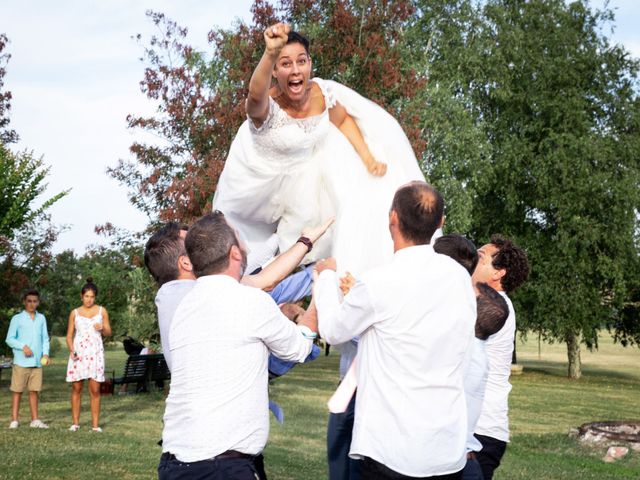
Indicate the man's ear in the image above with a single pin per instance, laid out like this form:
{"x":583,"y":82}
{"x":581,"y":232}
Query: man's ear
{"x":442,"y":220}
{"x":393,"y":218}
{"x":498,"y":274}
{"x":235,"y":253}
{"x":184,"y":263}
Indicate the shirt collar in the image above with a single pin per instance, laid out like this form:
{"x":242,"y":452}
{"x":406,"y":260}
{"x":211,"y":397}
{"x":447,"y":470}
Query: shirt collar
{"x":218,"y":278}
{"x":178,"y":282}
{"x":410,"y":252}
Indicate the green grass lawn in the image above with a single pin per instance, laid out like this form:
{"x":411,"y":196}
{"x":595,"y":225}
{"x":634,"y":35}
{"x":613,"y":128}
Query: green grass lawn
{"x":544,"y":406}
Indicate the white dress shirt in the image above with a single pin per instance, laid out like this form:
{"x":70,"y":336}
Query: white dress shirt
{"x":220,"y":339}
{"x":167,"y":299}
{"x":415,"y":317}
{"x":494,"y":419}
{"x":475,"y":383}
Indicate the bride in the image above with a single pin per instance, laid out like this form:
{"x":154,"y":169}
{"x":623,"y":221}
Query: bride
{"x":311,"y":149}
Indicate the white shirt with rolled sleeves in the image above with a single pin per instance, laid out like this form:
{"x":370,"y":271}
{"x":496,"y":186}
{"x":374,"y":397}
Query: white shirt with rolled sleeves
{"x":494,"y":418}
{"x":415,"y":317}
{"x":220,"y":339}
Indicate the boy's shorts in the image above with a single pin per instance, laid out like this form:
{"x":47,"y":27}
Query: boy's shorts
{"x":29,"y":377}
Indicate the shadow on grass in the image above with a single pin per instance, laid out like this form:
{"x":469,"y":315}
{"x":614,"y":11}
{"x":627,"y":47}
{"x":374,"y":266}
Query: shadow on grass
{"x":590,"y":374}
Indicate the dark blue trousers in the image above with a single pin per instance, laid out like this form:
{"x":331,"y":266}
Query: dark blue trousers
{"x":472,"y":470}
{"x":171,"y":468}
{"x":339,"y":433}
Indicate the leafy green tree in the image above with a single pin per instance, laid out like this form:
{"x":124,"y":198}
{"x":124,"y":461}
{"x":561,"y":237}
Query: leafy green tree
{"x":21,"y":182}
{"x":6,"y":135}
{"x":139,"y":320}
{"x":559,"y":106}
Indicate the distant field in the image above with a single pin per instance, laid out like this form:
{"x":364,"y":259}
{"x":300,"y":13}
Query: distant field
{"x":544,"y":406}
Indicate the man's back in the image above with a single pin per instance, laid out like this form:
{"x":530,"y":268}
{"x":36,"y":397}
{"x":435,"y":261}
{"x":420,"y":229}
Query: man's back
{"x":411,"y":363}
{"x":218,"y":399}
{"x":417,"y":314}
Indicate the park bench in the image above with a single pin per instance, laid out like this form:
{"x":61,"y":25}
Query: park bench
{"x":142,"y":370}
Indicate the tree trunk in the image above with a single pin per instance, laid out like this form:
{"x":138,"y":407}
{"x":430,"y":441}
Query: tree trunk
{"x":573,"y":354}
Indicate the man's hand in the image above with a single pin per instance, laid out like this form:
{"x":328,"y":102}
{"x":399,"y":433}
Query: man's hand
{"x":375,"y":168}
{"x":314,"y":233}
{"x":275,"y":38}
{"x":346,"y":283}
{"x":27,"y":351}
{"x":325,"y":264}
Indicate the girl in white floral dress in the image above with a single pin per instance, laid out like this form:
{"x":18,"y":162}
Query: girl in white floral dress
{"x":89,"y":322}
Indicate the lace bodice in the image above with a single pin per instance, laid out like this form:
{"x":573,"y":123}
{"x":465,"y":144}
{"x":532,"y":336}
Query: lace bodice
{"x":284,"y":138}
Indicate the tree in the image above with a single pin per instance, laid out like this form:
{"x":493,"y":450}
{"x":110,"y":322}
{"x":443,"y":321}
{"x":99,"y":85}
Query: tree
{"x":559,"y":106}
{"x":21,"y":183}
{"x":6,"y":135}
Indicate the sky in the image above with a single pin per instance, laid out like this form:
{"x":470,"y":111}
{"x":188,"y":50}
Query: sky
{"x":74,"y":75}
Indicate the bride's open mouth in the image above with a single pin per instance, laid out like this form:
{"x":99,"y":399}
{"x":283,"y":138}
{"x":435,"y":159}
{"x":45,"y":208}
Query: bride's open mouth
{"x":296,"y":86}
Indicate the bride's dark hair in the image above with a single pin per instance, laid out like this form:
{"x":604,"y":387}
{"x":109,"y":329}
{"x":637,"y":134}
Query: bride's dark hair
{"x":295,"y":37}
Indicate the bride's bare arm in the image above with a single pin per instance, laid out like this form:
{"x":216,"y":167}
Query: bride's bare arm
{"x":349,"y":128}
{"x":257,"y":106}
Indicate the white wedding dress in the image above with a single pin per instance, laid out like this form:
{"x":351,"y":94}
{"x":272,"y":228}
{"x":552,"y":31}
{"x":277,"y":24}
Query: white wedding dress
{"x":294,"y":173}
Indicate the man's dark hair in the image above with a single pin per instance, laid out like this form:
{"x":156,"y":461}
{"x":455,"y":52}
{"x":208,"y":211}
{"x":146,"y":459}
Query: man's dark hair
{"x":513,"y":259}
{"x":208,"y":244}
{"x":162,"y":251}
{"x":461,"y":249}
{"x":30,"y":292}
{"x":295,"y":37}
{"x":420,"y":208}
{"x":492,"y":310}
{"x":89,"y":286}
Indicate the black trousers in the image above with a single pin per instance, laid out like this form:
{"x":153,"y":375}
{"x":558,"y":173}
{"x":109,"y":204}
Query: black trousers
{"x":374,"y":470}
{"x":490,"y":455}
{"x":170,"y":468}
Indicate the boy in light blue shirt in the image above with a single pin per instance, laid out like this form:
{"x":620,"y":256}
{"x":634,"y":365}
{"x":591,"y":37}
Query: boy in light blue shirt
{"x":28,"y":338}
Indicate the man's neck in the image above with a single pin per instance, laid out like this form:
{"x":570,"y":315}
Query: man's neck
{"x":31,"y":314}
{"x":184,"y":275}
{"x":399,"y":243}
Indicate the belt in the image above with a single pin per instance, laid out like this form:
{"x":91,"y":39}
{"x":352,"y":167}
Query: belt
{"x":228,"y":455}
{"x":471,"y":455}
